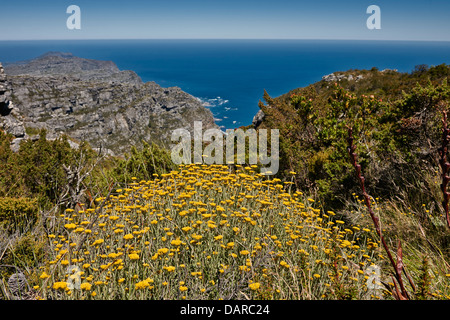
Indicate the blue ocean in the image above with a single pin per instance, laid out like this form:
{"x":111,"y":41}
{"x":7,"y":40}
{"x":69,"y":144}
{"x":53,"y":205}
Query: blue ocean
{"x":229,"y":76}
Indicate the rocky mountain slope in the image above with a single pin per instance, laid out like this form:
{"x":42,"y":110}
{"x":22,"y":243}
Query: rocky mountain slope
{"x":60,"y":63}
{"x":92,"y":101}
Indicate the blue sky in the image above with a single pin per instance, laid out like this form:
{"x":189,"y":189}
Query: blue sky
{"x":225,"y":19}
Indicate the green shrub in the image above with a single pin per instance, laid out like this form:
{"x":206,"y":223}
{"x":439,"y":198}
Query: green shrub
{"x":25,"y":255}
{"x":37,"y":169}
{"x":17,"y":213}
{"x":397,"y":134}
{"x":142,"y":164}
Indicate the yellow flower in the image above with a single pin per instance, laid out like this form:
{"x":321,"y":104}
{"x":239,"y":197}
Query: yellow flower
{"x":128,"y":236}
{"x":170,"y":268}
{"x":64,"y":262}
{"x":197,"y":236}
{"x":316,"y":275}
{"x":86,"y":286}
{"x":105,"y":266}
{"x":44,"y":275}
{"x":70,"y":226}
{"x":230,"y":244}
{"x":144,"y":284}
{"x":176,"y":242}
{"x":183,"y":288}
{"x":244,"y":252}
{"x":284,"y":264}
{"x":345,"y":243}
{"x":60,"y":285}
{"x":97,"y":242}
{"x":254,"y":286}
{"x":163,"y":250}
{"x":219,"y":237}
{"x":183,"y":213}
{"x":133,"y":256}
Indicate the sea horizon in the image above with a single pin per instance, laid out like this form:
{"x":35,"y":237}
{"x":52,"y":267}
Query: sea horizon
{"x":229,"y":76}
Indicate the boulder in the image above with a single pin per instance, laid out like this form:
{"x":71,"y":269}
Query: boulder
{"x":258,"y":118}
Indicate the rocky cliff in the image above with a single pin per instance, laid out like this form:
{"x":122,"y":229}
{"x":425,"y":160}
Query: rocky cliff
{"x":93,"y":101}
{"x":10,"y":119}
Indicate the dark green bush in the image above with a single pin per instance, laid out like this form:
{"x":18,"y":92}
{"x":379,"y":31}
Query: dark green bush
{"x":397,"y":134}
{"x":17,"y":213}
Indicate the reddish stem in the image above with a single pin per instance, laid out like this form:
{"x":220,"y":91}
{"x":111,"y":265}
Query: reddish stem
{"x":397,"y":266}
{"x":445,"y":166}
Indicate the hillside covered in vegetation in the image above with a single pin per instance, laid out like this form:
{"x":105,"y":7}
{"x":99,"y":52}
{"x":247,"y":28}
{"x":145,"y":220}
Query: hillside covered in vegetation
{"x":77,"y":225}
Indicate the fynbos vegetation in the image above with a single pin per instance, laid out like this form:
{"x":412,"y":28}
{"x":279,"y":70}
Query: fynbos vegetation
{"x":78,"y":225}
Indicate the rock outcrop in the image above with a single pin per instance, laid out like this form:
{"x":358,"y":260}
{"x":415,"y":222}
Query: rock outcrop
{"x":97,"y":103}
{"x":10,"y":118}
{"x":335,"y":78}
{"x":258,"y":118}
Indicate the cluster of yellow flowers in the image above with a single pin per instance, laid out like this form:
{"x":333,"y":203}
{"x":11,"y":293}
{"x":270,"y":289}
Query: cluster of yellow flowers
{"x":203,"y":232}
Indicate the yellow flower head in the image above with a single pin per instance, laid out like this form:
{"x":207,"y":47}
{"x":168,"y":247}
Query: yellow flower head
{"x":170,"y":268}
{"x":86,"y":286}
{"x":183,"y":288}
{"x":254,"y":285}
{"x":133,"y":256}
{"x":128,"y":236}
{"x":60,"y":285}
{"x":70,"y":226}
